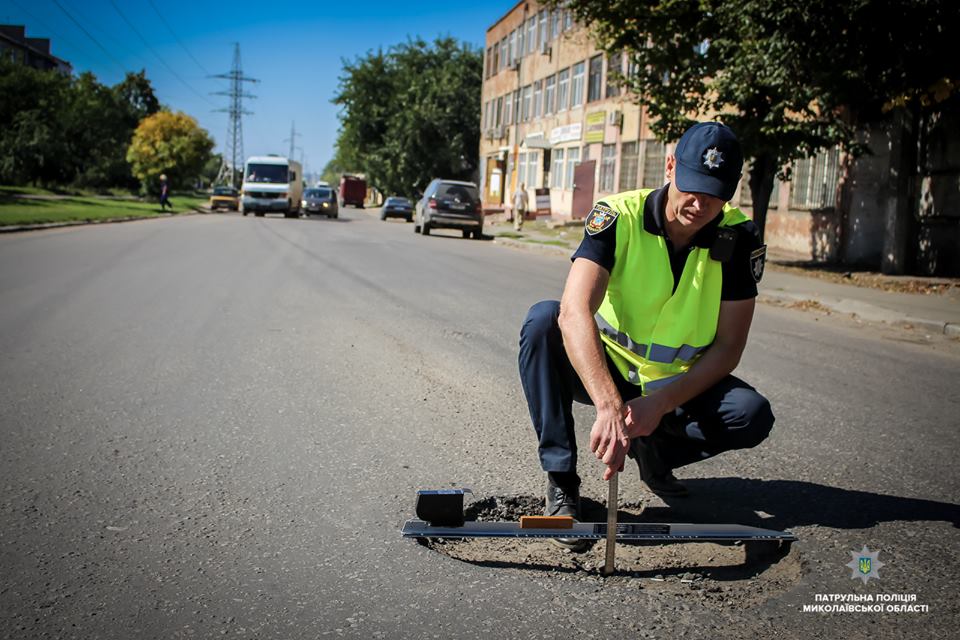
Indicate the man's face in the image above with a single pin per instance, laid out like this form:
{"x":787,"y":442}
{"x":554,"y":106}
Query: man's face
{"x":692,"y":210}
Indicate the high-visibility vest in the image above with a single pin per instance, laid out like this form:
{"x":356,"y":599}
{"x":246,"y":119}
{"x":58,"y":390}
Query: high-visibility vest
{"x":653,"y":334}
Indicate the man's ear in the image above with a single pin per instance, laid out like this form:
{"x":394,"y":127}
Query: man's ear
{"x":671,"y":166}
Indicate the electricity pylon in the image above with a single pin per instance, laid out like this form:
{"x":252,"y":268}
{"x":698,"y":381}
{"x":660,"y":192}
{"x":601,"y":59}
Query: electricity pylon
{"x":233,"y":148}
{"x":292,"y":138}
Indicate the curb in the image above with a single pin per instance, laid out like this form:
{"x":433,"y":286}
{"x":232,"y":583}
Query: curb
{"x":82,"y":223}
{"x":865,"y":311}
{"x":862,"y":310}
{"x":536,"y":247}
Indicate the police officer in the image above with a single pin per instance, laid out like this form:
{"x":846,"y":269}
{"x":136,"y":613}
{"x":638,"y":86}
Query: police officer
{"x":653,"y":319}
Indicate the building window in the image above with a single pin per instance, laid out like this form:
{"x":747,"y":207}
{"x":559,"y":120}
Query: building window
{"x":508,"y":109}
{"x":629,"y":165}
{"x":531,"y":38}
{"x":533,"y":160}
{"x":557,"y":23}
{"x":563,"y":89}
{"x":543,"y":24}
{"x":487,"y":118}
{"x":521,"y":169}
{"x":614,"y":67}
{"x":525,"y":103}
{"x":556,"y":169}
{"x":499,"y":112}
{"x":516,"y":105}
{"x":537,"y":99}
{"x":549,"y":94}
{"x":608,"y":159}
{"x":573,"y":157}
{"x":567,"y":20}
{"x":596,"y":78}
{"x":487,"y":62}
{"x":633,"y":68}
{"x":496,"y":59}
{"x":503,"y":53}
{"x":814,"y":181}
{"x":654,"y":165}
{"x":576,"y":85}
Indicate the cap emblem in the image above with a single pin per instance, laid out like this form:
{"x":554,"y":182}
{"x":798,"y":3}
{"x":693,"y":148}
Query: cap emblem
{"x":713,"y":158}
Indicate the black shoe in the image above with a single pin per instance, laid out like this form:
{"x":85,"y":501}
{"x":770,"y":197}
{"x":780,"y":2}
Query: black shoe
{"x":653,"y":472}
{"x":564,"y":501}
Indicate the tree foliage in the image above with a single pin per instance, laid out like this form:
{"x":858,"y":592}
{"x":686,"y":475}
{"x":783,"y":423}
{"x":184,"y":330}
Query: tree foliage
{"x":789,"y":76}
{"x":58,"y":130}
{"x":411,"y":114}
{"x":168,"y":143}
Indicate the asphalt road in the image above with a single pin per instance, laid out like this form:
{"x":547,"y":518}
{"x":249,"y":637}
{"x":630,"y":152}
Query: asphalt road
{"x":215,"y":425}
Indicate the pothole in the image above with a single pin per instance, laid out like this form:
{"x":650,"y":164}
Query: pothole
{"x":706,"y":571}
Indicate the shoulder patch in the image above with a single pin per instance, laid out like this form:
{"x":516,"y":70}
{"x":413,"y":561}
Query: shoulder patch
{"x":758,"y":259}
{"x":600,"y":218}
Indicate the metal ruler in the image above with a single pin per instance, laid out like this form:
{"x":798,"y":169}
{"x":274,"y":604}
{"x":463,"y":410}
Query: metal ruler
{"x":625,"y":531}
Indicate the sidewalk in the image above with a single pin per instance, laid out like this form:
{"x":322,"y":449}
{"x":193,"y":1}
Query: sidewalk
{"x":937,"y":313}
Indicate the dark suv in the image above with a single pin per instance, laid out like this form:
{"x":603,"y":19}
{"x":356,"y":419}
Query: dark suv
{"x":450,"y":204}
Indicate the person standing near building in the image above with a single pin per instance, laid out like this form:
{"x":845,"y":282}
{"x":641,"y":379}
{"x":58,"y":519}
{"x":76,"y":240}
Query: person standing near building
{"x":519,"y":206}
{"x":653,"y":320}
{"x":165,"y":193}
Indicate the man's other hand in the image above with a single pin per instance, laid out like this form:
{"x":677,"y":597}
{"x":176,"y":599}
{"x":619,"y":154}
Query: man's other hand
{"x":609,"y":441}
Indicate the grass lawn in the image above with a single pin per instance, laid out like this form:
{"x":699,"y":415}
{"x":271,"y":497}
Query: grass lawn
{"x":53,"y":208}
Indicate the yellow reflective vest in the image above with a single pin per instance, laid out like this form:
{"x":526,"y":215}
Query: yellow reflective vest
{"x":652,"y":333}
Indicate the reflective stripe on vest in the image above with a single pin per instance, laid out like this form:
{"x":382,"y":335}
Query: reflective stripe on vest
{"x":658,"y":352}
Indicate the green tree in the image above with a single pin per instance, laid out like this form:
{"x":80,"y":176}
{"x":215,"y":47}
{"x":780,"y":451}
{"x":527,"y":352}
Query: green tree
{"x":411,"y":114}
{"x":58,"y":130}
{"x":789,"y":76}
{"x":169,"y":143}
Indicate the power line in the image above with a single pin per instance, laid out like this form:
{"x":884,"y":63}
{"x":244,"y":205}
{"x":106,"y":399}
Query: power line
{"x":89,"y":35}
{"x":170,"y":29}
{"x":154,"y":52}
{"x":46,"y":26}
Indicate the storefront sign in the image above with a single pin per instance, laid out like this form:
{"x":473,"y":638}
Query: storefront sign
{"x":566,"y":133}
{"x":543,"y":201}
{"x":596,"y":121}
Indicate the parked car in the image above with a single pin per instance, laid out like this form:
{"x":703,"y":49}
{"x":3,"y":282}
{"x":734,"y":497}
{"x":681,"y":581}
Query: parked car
{"x":397,"y":207}
{"x":450,"y":204}
{"x":321,"y":200}
{"x":225,"y":197}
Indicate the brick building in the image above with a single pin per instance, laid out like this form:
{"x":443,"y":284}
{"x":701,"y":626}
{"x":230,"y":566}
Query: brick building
{"x":554,"y":119}
{"x":33,"y":52}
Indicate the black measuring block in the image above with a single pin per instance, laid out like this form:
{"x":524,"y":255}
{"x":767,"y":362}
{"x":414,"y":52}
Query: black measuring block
{"x":441,"y":507}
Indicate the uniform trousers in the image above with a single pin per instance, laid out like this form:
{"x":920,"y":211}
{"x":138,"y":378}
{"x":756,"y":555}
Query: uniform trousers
{"x":729,"y":415}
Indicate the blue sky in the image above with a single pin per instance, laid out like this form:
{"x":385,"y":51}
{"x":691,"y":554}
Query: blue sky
{"x":293,"y":48}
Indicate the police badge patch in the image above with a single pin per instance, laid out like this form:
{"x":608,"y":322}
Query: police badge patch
{"x":600,"y":218}
{"x":758,"y":259}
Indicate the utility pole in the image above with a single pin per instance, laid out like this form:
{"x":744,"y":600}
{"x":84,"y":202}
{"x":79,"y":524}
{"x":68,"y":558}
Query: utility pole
{"x":292,"y":139}
{"x":233,"y":149}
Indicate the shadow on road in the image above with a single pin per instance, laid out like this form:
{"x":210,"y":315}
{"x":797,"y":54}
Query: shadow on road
{"x":792,"y":503}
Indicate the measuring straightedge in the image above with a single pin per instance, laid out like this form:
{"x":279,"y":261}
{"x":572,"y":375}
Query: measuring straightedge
{"x":625,"y":532}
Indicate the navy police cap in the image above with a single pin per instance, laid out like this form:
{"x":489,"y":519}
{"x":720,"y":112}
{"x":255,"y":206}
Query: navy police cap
{"x":709,"y":160}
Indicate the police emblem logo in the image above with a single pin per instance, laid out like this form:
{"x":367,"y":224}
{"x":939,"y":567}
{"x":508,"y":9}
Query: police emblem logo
{"x":758,"y":259}
{"x":600,"y":218}
{"x":865,"y":564}
{"x":713,"y":158}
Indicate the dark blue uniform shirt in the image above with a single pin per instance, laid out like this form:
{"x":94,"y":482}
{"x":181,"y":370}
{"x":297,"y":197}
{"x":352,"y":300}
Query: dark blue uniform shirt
{"x":738,"y":280}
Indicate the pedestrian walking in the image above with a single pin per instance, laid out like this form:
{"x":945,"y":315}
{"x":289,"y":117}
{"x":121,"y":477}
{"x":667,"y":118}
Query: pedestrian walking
{"x":165,"y":194}
{"x":652,"y":322}
{"x":519,"y":206}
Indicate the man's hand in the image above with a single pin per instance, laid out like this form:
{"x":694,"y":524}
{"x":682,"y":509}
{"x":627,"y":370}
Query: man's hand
{"x":643,"y":415}
{"x":609,"y":441}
